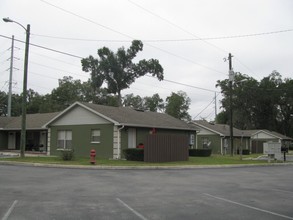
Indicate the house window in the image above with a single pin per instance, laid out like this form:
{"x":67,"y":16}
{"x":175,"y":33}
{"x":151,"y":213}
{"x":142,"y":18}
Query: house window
{"x":206,"y":142}
{"x":64,"y":140}
{"x":96,"y":136}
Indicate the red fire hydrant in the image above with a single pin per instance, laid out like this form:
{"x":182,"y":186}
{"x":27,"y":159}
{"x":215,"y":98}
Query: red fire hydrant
{"x":93,"y":156}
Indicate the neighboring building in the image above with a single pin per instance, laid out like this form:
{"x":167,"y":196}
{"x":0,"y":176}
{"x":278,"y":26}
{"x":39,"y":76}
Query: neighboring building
{"x":258,"y":137}
{"x":36,"y":133}
{"x":217,"y":137}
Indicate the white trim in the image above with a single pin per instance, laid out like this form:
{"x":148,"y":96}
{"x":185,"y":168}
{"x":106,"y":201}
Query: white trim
{"x":49,"y":142}
{"x":209,"y":129}
{"x":119,"y":142}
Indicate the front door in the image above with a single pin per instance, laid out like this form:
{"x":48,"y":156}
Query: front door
{"x":11,"y":141}
{"x":131,"y":137}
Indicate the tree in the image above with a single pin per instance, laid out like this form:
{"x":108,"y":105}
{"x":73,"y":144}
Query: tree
{"x":154,"y":103}
{"x":244,"y":100}
{"x":118,"y":69}
{"x":3,"y":103}
{"x":177,"y":105}
{"x":34,"y":102}
{"x":133,"y":101}
{"x":68,"y":92}
{"x":260,"y":105}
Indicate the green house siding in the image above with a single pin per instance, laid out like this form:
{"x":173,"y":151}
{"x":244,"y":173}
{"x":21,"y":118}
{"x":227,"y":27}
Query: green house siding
{"x":215,"y":142}
{"x":81,"y":140}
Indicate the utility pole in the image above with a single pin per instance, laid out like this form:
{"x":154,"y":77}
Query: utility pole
{"x":215,"y":106}
{"x":24,"y":92}
{"x":10,"y":78}
{"x":231,"y":79}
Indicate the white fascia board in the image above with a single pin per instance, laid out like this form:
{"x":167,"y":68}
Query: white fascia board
{"x":199,"y":125}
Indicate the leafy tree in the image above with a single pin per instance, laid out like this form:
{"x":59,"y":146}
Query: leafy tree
{"x":133,"y":101}
{"x":68,"y":92}
{"x":3,"y":104}
{"x":260,"y":105}
{"x":34,"y":102}
{"x":118,"y":69}
{"x":154,"y":103}
{"x":267,"y":101}
{"x":285,"y":113}
{"x":222,"y":118}
{"x":177,"y":105}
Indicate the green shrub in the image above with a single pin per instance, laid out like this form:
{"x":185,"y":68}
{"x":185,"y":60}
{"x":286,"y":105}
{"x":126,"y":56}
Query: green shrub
{"x":134,"y":154}
{"x":67,"y":154}
{"x":200,"y":152}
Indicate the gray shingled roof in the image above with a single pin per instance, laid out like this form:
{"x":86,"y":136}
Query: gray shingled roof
{"x":224,"y":130}
{"x":120,"y":115}
{"x":273,"y":133}
{"x":131,"y":117}
{"x":221,"y":129}
{"x":33,"y":121}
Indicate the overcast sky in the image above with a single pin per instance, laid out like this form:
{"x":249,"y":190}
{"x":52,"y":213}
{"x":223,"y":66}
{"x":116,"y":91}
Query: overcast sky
{"x":190,"y":38}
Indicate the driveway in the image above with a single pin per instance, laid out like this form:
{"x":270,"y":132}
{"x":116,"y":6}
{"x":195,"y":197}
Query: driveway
{"x":215,"y":193}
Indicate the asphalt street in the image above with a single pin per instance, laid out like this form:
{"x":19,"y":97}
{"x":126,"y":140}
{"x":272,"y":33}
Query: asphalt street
{"x":264,"y":192}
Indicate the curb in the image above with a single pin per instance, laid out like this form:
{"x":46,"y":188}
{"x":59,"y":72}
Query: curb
{"x":104,"y":167}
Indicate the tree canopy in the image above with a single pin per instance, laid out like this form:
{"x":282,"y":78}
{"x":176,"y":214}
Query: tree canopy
{"x":267,"y":104}
{"x":177,"y":105}
{"x":118,"y":69}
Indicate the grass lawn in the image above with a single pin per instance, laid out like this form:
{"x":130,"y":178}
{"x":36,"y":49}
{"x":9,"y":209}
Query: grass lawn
{"x":213,"y":160}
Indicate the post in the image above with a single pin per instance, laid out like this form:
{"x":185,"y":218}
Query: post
{"x":231,"y":76}
{"x":10,"y":79}
{"x":24,"y":94}
{"x":215,"y":106}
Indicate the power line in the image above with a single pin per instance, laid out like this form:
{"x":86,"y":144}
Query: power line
{"x":58,"y":60}
{"x":183,"y":84}
{"x":76,"y":56}
{"x":197,"y":37}
{"x":204,"y":108}
{"x":128,"y":36}
{"x":177,"y":26}
{"x":86,"y":19}
{"x":168,"y":40}
{"x":46,"y":48}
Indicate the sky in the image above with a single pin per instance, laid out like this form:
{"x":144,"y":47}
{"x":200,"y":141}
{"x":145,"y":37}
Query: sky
{"x":190,"y":38}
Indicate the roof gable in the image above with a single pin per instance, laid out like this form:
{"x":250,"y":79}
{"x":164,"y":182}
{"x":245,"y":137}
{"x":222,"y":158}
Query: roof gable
{"x":266,"y":134}
{"x":220,"y":129}
{"x":79,"y":115}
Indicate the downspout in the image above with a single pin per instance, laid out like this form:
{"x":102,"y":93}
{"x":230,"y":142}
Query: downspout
{"x":119,"y":143}
{"x":221,"y":145}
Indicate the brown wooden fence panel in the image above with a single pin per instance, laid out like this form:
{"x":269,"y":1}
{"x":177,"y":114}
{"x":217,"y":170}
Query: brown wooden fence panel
{"x":166,"y":148}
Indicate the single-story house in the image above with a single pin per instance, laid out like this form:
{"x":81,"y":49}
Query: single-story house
{"x":86,"y":126}
{"x":217,"y":137}
{"x":258,"y":137}
{"x":36,"y":133}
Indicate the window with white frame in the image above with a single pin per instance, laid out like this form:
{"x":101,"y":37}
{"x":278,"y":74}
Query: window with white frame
{"x":96,"y":136}
{"x":64,"y":139}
